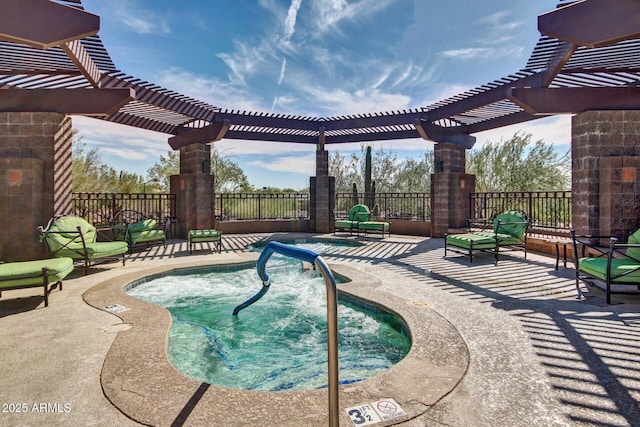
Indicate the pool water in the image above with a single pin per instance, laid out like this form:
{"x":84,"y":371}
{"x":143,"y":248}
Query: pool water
{"x":278,"y":343}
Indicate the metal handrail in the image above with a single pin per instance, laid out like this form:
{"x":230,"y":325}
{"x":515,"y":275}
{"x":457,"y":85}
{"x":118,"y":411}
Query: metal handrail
{"x":332,"y":310}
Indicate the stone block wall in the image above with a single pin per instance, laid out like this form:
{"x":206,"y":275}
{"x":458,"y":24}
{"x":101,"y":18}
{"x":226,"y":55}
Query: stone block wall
{"x":194,"y":190}
{"x":35,"y":179}
{"x":450,"y":188}
{"x":322,"y":195}
{"x":604,"y":150}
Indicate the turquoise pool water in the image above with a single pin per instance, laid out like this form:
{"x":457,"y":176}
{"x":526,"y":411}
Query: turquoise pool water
{"x":278,"y":343}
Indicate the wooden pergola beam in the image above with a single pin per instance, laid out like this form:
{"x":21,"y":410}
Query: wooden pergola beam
{"x":43,"y":23}
{"x":212,"y":133}
{"x":537,"y":101}
{"x":435,"y":133}
{"x":593,"y":23}
{"x":94,"y":102}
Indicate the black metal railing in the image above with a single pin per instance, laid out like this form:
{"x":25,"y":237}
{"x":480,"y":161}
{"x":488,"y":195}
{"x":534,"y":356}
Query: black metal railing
{"x":548,"y":210}
{"x":101,"y":208}
{"x":409,"y":206}
{"x":261,"y":206}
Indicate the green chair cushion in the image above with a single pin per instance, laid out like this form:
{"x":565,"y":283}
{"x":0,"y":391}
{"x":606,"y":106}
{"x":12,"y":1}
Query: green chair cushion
{"x":65,"y":230}
{"x":94,"y":250}
{"x":345,"y":223}
{"x":466,"y":240}
{"x":622,"y":270}
{"x":146,"y":236}
{"x":516,"y":230}
{"x":140,"y":226}
{"x":204,"y":235}
{"x":634,"y":239}
{"x":359,"y":213}
{"x":503,"y":239}
{"x":10,"y":272}
{"x":374,"y":225}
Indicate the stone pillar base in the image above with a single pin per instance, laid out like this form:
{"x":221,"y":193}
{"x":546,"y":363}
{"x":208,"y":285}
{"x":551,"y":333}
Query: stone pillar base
{"x":195,"y":202}
{"x":35,"y":179}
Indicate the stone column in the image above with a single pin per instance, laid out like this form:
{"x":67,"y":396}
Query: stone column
{"x":322,"y":195}
{"x":194,"y":190}
{"x":605,"y":167}
{"x":450,"y":188}
{"x":35,"y":179}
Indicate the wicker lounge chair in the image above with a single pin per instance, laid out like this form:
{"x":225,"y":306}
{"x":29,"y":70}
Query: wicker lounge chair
{"x":618,"y":265}
{"x":508,"y":232}
{"x":46,"y":273}
{"x":73,"y":237}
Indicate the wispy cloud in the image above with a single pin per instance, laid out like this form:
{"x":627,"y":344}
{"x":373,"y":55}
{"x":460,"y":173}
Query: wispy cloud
{"x":482,"y":53}
{"x":296,"y":164}
{"x":290,"y":21}
{"x":211,"y":89}
{"x":330,"y":13}
{"x":138,"y":18}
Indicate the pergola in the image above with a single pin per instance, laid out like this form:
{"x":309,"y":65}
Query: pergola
{"x":51,"y":59}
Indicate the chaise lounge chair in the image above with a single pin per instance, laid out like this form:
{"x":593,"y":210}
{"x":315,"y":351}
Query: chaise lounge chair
{"x":617,"y":266}
{"x":358,"y":221}
{"x":73,"y":237}
{"x":357,"y":214}
{"x":34,"y":274}
{"x":509,"y":232}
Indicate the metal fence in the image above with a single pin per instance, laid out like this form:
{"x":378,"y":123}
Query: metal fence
{"x":100,"y":208}
{"x":410,"y":206}
{"x":548,"y":210}
{"x":261,"y":206}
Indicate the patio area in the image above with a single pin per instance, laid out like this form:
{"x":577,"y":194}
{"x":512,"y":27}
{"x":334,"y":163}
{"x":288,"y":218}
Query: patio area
{"x":536,"y":356}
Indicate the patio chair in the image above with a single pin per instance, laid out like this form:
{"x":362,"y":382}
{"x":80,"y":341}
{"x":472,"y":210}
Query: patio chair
{"x":73,"y":237}
{"x":35,"y":274}
{"x":618,"y":265}
{"x":135,"y":228}
{"x":508,"y":232}
{"x":357,"y":214}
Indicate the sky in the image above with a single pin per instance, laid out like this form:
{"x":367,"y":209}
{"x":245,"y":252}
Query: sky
{"x":319,"y":58}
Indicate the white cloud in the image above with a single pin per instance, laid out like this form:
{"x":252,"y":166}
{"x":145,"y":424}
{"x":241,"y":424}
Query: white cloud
{"x":211,"y":89}
{"x":290,"y":21}
{"x":330,"y":13}
{"x":138,"y":19}
{"x":554,"y":130}
{"x":302,"y":165}
{"x":483,"y":53}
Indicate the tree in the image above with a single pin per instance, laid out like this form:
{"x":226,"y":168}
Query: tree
{"x":90,"y":174}
{"x":229,"y":177}
{"x":515,"y":165}
{"x":390,"y":174}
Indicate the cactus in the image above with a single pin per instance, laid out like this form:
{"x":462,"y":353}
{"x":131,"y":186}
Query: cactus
{"x":355,"y":198}
{"x":367,"y":178}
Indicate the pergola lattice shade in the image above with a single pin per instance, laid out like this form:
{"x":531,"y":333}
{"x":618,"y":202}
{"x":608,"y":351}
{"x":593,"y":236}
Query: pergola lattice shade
{"x":555,"y":64}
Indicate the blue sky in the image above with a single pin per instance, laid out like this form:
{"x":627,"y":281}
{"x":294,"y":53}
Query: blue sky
{"x":313,"y":58}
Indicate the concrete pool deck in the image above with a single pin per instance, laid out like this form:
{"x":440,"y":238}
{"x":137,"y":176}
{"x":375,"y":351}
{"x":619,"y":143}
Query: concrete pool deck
{"x":536,"y":356}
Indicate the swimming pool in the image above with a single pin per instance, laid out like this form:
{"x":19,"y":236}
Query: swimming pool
{"x":278,"y":343}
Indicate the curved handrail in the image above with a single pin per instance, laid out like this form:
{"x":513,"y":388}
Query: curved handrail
{"x":332,"y":310}
{"x":291,"y":251}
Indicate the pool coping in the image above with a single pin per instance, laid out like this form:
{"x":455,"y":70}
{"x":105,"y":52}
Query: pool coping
{"x":139,"y":380}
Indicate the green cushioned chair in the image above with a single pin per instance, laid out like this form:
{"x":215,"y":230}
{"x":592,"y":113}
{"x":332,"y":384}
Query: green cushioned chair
{"x":34,"y":274}
{"x":619,"y":264}
{"x":73,"y":237}
{"x":357,"y":214}
{"x":375,"y":227}
{"x":509,"y":232}
{"x":144,"y":231}
{"x":201,"y":236}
